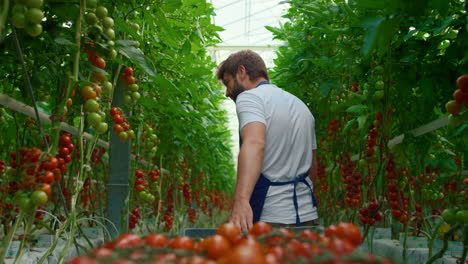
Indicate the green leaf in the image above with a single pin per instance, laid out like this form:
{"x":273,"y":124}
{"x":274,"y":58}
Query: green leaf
{"x":356,"y":109}
{"x":172,"y":5}
{"x":64,"y":41}
{"x":186,"y":48}
{"x":350,"y":124}
{"x":371,"y":26}
{"x":135,"y":55}
{"x":362,"y":121}
{"x":371,"y":4}
{"x":162,"y":81}
{"x":326,"y":86}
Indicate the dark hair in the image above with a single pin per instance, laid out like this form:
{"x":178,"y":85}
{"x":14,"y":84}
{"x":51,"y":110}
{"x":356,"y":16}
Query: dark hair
{"x":252,"y":62}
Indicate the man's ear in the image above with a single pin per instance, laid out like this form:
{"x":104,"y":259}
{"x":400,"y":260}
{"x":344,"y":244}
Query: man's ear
{"x":241,"y":71}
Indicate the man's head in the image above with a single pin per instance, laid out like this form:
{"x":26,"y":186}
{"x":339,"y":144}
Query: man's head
{"x":240,"y":70}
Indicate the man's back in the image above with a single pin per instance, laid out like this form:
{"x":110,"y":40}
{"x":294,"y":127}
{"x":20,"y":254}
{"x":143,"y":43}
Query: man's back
{"x":290,"y":139}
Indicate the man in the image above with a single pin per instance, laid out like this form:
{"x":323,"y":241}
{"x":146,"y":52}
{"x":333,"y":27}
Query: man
{"x":277,"y":158}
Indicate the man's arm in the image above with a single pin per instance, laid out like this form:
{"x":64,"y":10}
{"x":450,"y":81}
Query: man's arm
{"x":313,"y":167}
{"x":249,"y":167}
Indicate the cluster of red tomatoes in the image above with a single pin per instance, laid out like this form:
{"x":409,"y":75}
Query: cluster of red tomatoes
{"x":121,"y":126}
{"x":352,"y":179}
{"x":333,"y":127}
{"x":370,"y":215}
{"x":460,"y":96}
{"x":261,"y":245}
{"x":133,"y":221}
{"x":398,"y":202}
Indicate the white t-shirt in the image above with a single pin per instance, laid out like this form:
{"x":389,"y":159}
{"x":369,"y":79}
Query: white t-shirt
{"x":290,"y":139}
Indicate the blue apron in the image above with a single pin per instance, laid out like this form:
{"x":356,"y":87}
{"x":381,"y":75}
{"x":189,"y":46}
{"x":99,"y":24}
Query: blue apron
{"x":257,"y":200}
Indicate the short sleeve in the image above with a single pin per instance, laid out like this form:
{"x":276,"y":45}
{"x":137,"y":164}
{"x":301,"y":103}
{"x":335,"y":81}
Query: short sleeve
{"x":249,"y":109}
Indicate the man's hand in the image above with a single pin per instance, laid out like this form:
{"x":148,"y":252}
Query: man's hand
{"x":241,"y":215}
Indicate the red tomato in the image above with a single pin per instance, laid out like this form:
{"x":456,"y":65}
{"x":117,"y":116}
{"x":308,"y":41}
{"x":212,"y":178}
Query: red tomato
{"x":217,"y":246}
{"x":51,"y":164}
{"x":157,"y":240}
{"x":260,"y":228}
{"x":183,"y":242}
{"x":45,"y":188}
{"x":114,"y":111}
{"x":350,"y":232}
{"x":230,"y":231}
{"x":128,"y":240}
{"x":331,"y":231}
{"x":102,"y":252}
{"x":118,"y":119}
{"x":83,"y":260}
{"x":244,"y":254}
{"x":65,"y":140}
{"x":462,"y":83}
{"x":340,"y":247}
{"x":309,"y":234}
{"x":128,"y":71}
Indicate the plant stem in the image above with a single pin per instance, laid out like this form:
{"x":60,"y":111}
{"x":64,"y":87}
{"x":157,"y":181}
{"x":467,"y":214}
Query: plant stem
{"x":441,"y":252}
{"x":26,"y":232}
{"x":7,"y":239}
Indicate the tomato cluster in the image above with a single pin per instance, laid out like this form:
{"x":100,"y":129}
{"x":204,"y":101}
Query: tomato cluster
{"x":121,"y":126}
{"x":371,"y":140}
{"x":2,"y":166}
{"x":352,"y":179}
{"x":95,"y":116}
{"x":398,"y":202}
{"x":100,"y":27}
{"x":140,"y":187}
{"x":370,"y":215}
{"x":133,"y":221}
{"x":150,"y":141}
{"x":66,"y":149}
{"x":131,"y":95}
{"x":97,"y":154}
{"x":460,"y":102}
{"x":28,"y":15}
{"x":333,"y":127}
{"x":262,"y":245}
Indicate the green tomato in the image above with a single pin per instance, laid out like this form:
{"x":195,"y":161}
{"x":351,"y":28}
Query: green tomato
{"x":19,"y":9}
{"x":462,"y":217}
{"x":91,"y":105}
{"x":127,"y":99}
{"x":141,"y":195}
{"x":378,"y":95}
{"x":136,"y":96}
{"x":34,"y":30}
{"x":91,"y":19}
{"x":110,"y":43}
{"x":39,"y":198}
{"x":25,"y":204}
{"x":153,"y":137}
{"x":378,"y":69}
{"x":110,"y":33}
{"x":133,"y":87}
{"x":112,"y":54}
{"x":135,"y":26}
{"x":108,"y":22}
{"x":101,"y":128}
{"x":91,"y":3}
{"x":154,"y":150}
{"x":449,"y":216}
{"x":95,"y":32}
{"x":379,"y":85}
{"x":94,"y":119}
{"x":34,"y":15}
{"x":101,"y":12}
{"x":18,"y":20}
{"x":34,"y":3}
{"x":131,"y":133}
{"x":149,"y":198}
{"x":107,"y":87}
{"x":123,"y":135}
{"x":362,"y":163}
